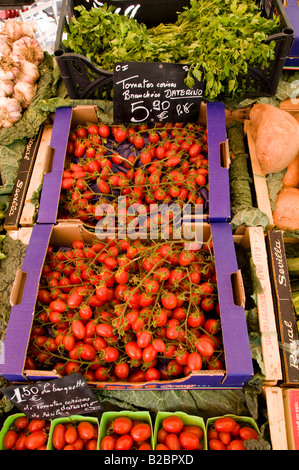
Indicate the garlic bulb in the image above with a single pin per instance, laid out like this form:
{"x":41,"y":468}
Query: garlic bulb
{"x":9,"y":68}
{"x":29,"y":49}
{"x":13,"y":29}
{"x":28,"y":72}
{"x":5,"y":45}
{"x":24,"y":93}
{"x":28,"y":29}
{"x":6,"y":88}
{"x":10,"y":112}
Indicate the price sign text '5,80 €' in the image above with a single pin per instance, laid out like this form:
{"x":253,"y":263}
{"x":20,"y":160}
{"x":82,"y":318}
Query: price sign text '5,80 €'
{"x":154,"y":92}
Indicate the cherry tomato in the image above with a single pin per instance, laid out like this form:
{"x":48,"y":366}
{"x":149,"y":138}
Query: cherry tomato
{"x":140,"y":432}
{"x":58,"y":437}
{"x":35,"y":440}
{"x":247,"y":432}
{"x":172,"y":442}
{"x":71,"y":435}
{"x":216,"y":444}
{"x":188,"y":440}
{"x":21,"y":422}
{"x":236,"y":444}
{"x":107,"y":443}
{"x":122,"y":425}
{"x":10,"y":439}
{"x":225,"y":424}
{"x":173,"y":424}
{"x":124,"y":442}
{"x":86,"y":430}
{"x":36,"y":425}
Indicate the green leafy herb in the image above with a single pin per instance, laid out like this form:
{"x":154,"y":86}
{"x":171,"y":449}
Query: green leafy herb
{"x":219,"y":39}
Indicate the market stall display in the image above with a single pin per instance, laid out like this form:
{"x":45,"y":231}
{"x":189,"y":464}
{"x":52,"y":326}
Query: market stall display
{"x":193,"y":337}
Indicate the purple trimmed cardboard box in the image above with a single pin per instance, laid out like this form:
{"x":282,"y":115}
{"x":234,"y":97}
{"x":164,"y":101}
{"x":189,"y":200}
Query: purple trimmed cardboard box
{"x":238,"y":360}
{"x":219,"y":190}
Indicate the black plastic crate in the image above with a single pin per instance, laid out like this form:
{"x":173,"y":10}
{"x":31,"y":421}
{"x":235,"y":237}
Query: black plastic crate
{"x":12,"y":4}
{"x":83,"y":79}
{"x":149,"y":12}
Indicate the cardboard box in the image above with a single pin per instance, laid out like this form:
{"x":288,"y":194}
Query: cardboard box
{"x":68,"y":118}
{"x":15,"y":208}
{"x":291,"y":409}
{"x":292,"y":11}
{"x":284,"y":309}
{"x":276,"y":417}
{"x":253,"y":240}
{"x":238,"y":361}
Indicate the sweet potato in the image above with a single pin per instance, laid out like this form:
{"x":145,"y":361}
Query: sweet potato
{"x":291,"y":177}
{"x":286,"y":213}
{"x":276,"y":135}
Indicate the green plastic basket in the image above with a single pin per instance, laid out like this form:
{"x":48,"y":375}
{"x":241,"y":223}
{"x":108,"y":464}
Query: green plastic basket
{"x":108,"y":416}
{"x":7,"y":425}
{"x":243,"y":420}
{"x":187,"y":420}
{"x":69,"y":419}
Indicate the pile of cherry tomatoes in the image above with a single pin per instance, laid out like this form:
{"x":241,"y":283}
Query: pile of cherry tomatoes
{"x":27,"y":434}
{"x":127,"y":311}
{"x":228,"y":434}
{"x":166,"y":163}
{"x":75,"y":435}
{"x":175,"y":435}
{"x":124,"y":433}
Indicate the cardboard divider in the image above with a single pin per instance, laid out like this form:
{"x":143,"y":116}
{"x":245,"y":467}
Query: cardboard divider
{"x":219,"y":190}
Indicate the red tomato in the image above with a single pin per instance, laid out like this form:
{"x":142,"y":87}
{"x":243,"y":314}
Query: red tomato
{"x":247,"y":432}
{"x":71,"y":435}
{"x":124,"y":442}
{"x":104,"y":131}
{"x":188,"y":440}
{"x":133,"y":350}
{"x":225,"y":424}
{"x":86,"y":430}
{"x":35,"y":440}
{"x":36,"y":425}
{"x":122,"y":425}
{"x":107,"y":443}
{"x":197,"y":430}
{"x":140,"y":432}
{"x":236,"y":444}
{"x":173,"y":424}
{"x":194,"y":361}
{"x":216,"y":444}
{"x":21,"y":422}
{"x":58,"y":437}
{"x":122,"y":370}
{"x":10,"y":439}
{"x":172,"y":441}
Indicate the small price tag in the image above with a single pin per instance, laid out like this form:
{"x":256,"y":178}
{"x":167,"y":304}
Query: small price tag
{"x":154,"y":92}
{"x":55,"y":398}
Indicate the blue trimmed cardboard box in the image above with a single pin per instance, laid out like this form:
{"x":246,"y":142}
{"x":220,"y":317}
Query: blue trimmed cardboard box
{"x":238,"y":360}
{"x":218,"y":156}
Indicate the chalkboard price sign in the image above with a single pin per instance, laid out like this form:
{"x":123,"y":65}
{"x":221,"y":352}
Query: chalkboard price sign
{"x":55,"y":398}
{"x":154,"y":92}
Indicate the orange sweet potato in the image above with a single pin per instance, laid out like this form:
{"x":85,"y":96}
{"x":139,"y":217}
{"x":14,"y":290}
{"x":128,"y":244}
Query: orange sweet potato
{"x":291,"y":177}
{"x":286,"y":213}
{"x":276,"y":135}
